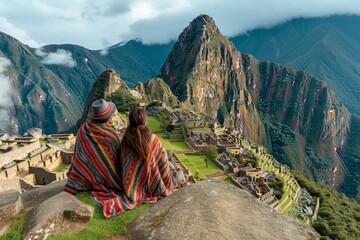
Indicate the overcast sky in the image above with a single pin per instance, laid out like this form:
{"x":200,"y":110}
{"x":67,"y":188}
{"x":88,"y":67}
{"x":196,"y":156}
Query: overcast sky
{"x":99,"y":24}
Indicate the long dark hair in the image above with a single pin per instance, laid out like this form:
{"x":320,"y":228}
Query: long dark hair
{"x":137,"y":136}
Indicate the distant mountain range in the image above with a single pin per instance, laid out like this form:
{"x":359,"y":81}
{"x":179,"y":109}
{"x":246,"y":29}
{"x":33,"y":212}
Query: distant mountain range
{"x":328,"y":48}
{"x":49,"y":87}
{"x":296,"y":116}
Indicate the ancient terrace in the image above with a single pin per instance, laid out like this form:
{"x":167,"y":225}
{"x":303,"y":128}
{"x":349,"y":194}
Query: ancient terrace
{"x":34,"y":159}
{"x":244,"y":163}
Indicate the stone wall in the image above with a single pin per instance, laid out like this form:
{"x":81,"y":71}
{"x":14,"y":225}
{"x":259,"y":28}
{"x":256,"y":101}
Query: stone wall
{"x":18,"y":153}
{"x":7,"y":184}
{"x":42,"y":175}
{"x":53,"y":163}
{"x":23,"y":166}
{"x":11,"y":172}
{"x":67,"y":156}
{"x":47,"y":153}
{"x":61,"y":176}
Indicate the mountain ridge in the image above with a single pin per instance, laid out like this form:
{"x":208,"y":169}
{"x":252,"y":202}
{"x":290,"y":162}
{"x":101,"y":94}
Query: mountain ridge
{"x":299,"y":118}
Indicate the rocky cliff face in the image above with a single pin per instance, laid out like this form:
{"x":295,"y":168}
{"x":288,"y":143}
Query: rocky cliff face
{"x":205,"y":72}
{"x":107,"y":83}
{"x":306,"y":124}
{"x":299,"y":118}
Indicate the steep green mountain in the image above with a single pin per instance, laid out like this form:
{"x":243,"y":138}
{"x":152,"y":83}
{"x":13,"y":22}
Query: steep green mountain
{"x":301,"y":121}
{"x":351,"y":156}
{"x":106,"y":86}
{"x":135,"y":61}
{"x":328,"y":48}
{"x":51,"y":95}
{"x":156,"y":90}
{"x":204,"y":71}
{"x":111,"y":87}
{"x":39,"y":97}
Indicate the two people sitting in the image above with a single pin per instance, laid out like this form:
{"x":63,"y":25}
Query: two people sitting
{"x":120,"y":175}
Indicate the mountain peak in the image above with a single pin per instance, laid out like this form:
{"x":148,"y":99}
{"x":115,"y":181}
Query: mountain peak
{"x":203,"y":20}
{"x":201,"y":24}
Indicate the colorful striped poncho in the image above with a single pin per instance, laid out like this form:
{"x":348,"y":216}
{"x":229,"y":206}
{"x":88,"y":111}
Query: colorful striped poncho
{"x":146,"y":180}
{"x":96,"y":168}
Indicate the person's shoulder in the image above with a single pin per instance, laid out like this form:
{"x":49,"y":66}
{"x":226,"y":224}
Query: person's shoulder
{"x":153,"y":137}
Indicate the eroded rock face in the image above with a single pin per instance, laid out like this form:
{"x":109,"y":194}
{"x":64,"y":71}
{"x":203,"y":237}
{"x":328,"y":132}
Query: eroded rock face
{"x":215,"y":210}
{"x":10,"y":206}
{"x":36,"y":196}
{"x":58,"y":214}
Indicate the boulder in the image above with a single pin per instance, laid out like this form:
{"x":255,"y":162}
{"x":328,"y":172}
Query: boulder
{"x":10,"y":206}
{"x":213,"y":209}
{"x":36,"y":196}
{"x":58,"y":214}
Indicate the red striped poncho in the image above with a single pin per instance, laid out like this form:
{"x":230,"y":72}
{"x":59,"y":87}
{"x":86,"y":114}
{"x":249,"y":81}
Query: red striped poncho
{"x":96,"y":168}
{"x":146,"y":180}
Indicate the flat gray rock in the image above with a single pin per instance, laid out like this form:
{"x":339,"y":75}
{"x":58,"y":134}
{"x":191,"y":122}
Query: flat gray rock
{"x":213,"y":209}
{"x":59,"y":214}
{"x":10,"y":206}
{"x":36,"y":196}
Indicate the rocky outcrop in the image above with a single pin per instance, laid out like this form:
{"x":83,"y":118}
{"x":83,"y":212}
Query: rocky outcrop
{"x":36,"y":196}
{"x":49,"y":211}
{"x":107,"y":83}
{"x":212,"y":209}
{"x":10,"y":207}
{"x":58,"y":214}
{"x":156,"y":90}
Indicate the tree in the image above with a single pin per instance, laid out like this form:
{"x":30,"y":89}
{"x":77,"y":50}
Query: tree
{"x":210,"y":151}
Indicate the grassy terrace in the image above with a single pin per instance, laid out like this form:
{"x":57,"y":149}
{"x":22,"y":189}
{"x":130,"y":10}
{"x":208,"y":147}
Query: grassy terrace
{"x":175,"y":144}
{"x":153,"y":124}
{"x":62,"y":167}
{"x":290,"y":187}
{"x":196,"y":163}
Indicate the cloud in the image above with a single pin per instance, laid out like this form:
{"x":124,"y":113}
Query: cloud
{"x":241,"y":16}
{"x":86,"y":22}
{"x":104,"y":51}
{"x":117,"y":7}
{"x":18,"y":33}
{"x":5,"y":87}
{"x":60,"y":57}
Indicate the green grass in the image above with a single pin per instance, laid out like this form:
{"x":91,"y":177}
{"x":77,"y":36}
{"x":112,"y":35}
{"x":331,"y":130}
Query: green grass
{"x":62,"y":167}
{"x":16,"y":228}
{"x":180,"y":146}
{"x":101,"y":227}
{"x":153,"y":124}
{"x":229,"y":181}
{"x":196,"y":162}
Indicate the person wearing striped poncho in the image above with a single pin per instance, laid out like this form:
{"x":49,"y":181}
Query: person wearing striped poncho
{"x":99,"y":169}
{"x":145,"y":167}
{"x":96,"y":168}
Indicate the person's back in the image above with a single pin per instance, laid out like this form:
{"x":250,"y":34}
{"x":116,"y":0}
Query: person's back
{"x":96,"y":168}
{"x":145,"y":168}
